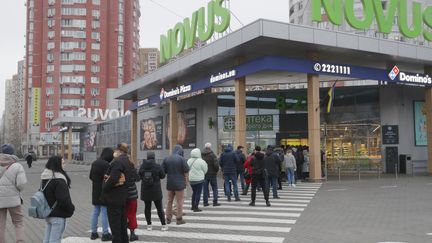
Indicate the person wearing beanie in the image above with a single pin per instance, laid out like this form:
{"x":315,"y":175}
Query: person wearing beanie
{"x":210,"y":177}
{"x":12,"y":181}
{"x":228,"y":161}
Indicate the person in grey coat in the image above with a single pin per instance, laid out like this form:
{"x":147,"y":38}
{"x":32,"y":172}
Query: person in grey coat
{"x":291,"y":167}
{"x":12,"y":181}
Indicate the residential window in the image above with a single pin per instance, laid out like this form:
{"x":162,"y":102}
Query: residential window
{"x":49,"y":91}
{"x":95,"y":24}
{"x":73,"y":33}
{"x":72,"y":79}
{"x":50,"y":68}
{"x":51,"y":34}
{"x":48,"y":125}
{"x":49,"y":102}
{"x":73,"y":45}
{"x":95,"y":46}
{"x":50,"y":57}
{"x":74,"y":11}
{"x":49,"y":79}
{"x":49,"y":114}
{"x":94,"y":80}
{"x":95,"y":102}
{"x":78,"y":23}
{"x":95,"y":35}
{"x":96,"y":2}
{"x":95,"y":91}
{"x":72,"y":102}
{"x":96,"y":13}
{"x":95,"y":69}
{"x":70,"y":90}
{"x":73,"y":56}
{"x":51,"y":23}
{"x":51,"y":12}
{"x":72,"y":68}
{"x":95,"y":57}
{"x":50,"y":45}
{"x":70,"y":2}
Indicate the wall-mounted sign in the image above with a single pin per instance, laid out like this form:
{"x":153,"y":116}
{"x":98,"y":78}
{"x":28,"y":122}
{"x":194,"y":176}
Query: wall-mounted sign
{"x":143,"y":102}
{"x":202,"y":26}
{"x":331,"y":68}
{"x":253,"y":123}
{"x":151,"y":133}
{"x":419,"y":22}
{"x":36,"y":106}
{"x":390,"y":134}
{"x":409,"y":78}
{"x":222,"y":76}
{"x":174,"y":92}
{"x":186,"y":131}
{"x":100,"y":114}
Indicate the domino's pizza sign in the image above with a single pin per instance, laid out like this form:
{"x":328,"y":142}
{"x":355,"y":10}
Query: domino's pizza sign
{"x":393,"y":73}
{"x":417,"y":78}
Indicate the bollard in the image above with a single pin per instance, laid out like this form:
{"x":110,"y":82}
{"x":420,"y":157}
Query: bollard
{"x":339,"y":174}
{"x":396,"y":171}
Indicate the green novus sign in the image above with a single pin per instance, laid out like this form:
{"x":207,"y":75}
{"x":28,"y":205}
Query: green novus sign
{"x":184,"y":34}
{"x":420,"y":24}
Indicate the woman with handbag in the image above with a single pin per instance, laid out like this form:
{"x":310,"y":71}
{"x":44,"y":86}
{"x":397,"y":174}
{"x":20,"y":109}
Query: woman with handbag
{"x":56,"y":184}
{"x":248,"y":173}
{"x":197,"y":170}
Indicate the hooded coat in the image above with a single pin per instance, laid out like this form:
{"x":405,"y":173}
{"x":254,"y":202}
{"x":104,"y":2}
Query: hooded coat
{"x":197,"y":167}
{"x":272,"y":163}
{"x":57,"y":191}
{"x":258,"y":165}
{"x":175,"y":167}
{"x":212,"y":162}
{"x":229,"y":161}
{"x":151,"y":192}
{"x":12,"y":181}
{"x":98,"y":169}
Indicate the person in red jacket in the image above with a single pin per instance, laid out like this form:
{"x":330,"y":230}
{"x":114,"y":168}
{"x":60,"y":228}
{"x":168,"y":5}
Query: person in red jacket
{"x":247,"y":165}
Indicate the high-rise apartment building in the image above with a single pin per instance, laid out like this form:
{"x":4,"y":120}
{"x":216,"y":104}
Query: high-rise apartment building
{"x":77,"y":53}
{"x":12,"y":122}
{"x":149,"y":60}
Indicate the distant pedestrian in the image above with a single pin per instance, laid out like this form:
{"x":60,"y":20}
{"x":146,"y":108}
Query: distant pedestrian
{"x":291,"y":167}
{"x":97,"y":172}
{"x":306,"y":164}
{"x":115,"y":194}
{"x":131,"y":203}
{"x":57,"y":184}
{"x":151,"y":191}
{"x":29,"y":159}
{"x":272,"y":163}
{"x":12,"y":181}
{"x":259,"y":176}
{"x":197,"y":170}
{"x":240,"y":170}
{"x":280,"y":152}
{"x":228,"y":161}
{"x":176,"y":168}
{"x":210,"y":177}
{"x":248,"y":167}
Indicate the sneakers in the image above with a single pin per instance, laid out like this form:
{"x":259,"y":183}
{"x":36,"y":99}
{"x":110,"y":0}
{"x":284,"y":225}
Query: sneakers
{"x":293,"y":185}
{"x":216,"y":204}
{"x":168,"y":221}
{"x":197,"y":210}
{"x":94,"y":236}
{"x":276,"y":197}
{"x":252,"y":204}
{"x":106,"y":237}
{"x":268,"y":203}
{"x":180,"y":221}
{"x":237,"y":199}
{"x":164,"y":227}
{"x":149,"y":227}
{"x":206,"y":204}
{"x":133,"y":236}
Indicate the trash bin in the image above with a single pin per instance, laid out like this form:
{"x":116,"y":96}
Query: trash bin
{"x":403,"y":163}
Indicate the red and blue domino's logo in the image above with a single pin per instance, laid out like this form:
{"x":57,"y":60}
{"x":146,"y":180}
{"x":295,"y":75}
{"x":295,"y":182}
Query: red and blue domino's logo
{"x":394,"y":73}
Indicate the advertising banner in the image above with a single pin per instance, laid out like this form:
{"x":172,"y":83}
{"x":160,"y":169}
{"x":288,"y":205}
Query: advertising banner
{"x":390,"y":134}
{"x":253,"y":123}
{"x":151,"y":133}
{"x":186,"y":134}
{"x":36,"y":106}
{"x":420,"y":129}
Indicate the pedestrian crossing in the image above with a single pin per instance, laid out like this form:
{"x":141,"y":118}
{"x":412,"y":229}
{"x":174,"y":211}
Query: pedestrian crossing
{"x":233,"y":221}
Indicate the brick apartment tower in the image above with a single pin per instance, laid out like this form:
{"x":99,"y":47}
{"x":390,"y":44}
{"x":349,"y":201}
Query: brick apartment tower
{"x":77,"y":53}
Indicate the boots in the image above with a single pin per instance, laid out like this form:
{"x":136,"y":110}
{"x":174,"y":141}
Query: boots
{"x":133,"y":236}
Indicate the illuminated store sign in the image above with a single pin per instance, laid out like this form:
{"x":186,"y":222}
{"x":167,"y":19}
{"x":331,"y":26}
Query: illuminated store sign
{"x":331,"y":68}
{"x":222,"y":76}
{"x":174,"y":92}
{"x":184,"y":34}
{"x":102,"y":114}
{"x":409,"y":78}
{"x":143,"y":102}
{"x":396,"y":11}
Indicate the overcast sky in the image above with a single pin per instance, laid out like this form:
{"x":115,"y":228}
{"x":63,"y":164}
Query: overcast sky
{"x":157,"y":16}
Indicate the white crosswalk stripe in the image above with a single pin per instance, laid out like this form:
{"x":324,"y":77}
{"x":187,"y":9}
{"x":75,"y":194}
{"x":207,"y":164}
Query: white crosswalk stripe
{"x":231,"y":221}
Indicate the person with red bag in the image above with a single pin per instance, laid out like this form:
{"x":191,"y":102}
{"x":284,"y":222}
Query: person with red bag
{"x":248,"y":172}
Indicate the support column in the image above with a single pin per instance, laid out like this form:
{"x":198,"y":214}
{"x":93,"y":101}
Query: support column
{"x":62,"y":148}
{"x":314,"y":127}
{"x":240,"y":112}
{"x":428,"y":99}
{"x":70,"y":143}
{"x":173,"y":128}
{"x":134,"y":136}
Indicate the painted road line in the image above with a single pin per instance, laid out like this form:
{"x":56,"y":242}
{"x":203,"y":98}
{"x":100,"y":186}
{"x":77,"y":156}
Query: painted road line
{"x":231,"y":219}
{"x":337,"y":189}
{"x":246,"y":212}
{"x":87,"y":240}
{"x":429,"y":234}
{"x":388,"y":187}
{"x":278,"y":200}
{"x":223,"y":227}
{"x":260,"y":208}
{"x":210,"y":236}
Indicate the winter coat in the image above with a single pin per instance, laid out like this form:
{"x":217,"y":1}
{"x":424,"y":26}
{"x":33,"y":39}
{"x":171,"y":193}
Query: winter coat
{"x":290,"y":161}
{"x":197,"y":167}
{"x":12,"y":181}
{"x":175,"y":167}
{"x":258,"y":165}
{"x":306,"y":163}
{"x":247,"y":165}
{"x":131,"y":179}
{"x":228,"y":161}
{"x":272,"y":163}
{"x":241,"y":159}
{"x":212,"y":162}
{"x":112,"y":194}
{"x":151,"y":192}
{"x":57,"y":191}
{"x":97,"y":172}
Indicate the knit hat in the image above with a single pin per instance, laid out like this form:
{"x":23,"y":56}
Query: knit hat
{"x":207,"y":145}
{"x":8,"y":149}
{"x":123,"y":148}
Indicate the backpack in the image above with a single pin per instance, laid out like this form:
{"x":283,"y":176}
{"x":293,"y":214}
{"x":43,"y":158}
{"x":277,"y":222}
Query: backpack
{"x":39,"y":207}
{"x":148,"y":178}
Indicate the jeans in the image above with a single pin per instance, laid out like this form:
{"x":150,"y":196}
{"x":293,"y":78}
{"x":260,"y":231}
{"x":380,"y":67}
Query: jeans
{"x":147,"y":211}
{"x":242,"y":179}
{"x":290,"y":176}
{"x":233,"y":178}
{"x":196,"y":194}
{"x":273,"y":181}
{"x":55,"y":228}
{"x":213,"y":182}
{"x":102,"y":211}
{"x":118,"y":224}
{"x":262,"y":183}
{"x":17,"y":220}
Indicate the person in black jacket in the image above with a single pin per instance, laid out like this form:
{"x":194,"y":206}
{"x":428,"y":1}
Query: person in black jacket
{"x":131,"y":203}
{"x":151,"y":191}
{"x":98,"y":169}
{"x":228,"y":161}
{"x":259,"y":176}
{"x":115,"y":194}
{"x":272,"y":163}
{"x":240,"y":170}
{"x":210,"y":177}
{"x":56,"y":183}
